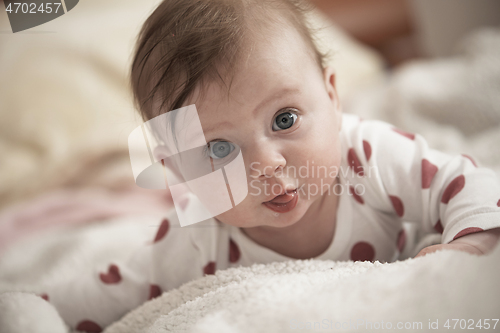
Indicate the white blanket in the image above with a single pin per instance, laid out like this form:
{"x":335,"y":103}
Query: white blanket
{"x":309,"y":294}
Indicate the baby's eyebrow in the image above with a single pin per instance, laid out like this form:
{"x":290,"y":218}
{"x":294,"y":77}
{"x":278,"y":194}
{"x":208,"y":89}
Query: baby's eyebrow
{"x":276,"y":95}
{"x":273,"y":96}
{"x":216,"y":126}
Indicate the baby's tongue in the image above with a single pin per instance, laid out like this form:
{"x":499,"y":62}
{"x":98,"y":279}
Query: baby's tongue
{"x":284,"y":198}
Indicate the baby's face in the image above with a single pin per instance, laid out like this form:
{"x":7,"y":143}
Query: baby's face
{"x":283,"y":113}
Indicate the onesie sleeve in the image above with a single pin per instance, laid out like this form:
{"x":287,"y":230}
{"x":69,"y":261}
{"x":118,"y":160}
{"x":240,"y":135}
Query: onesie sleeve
{"x":92,"y":300}
{"x":397,"y":173}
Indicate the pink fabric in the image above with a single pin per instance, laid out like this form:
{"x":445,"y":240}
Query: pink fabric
{"x":77,"y":206}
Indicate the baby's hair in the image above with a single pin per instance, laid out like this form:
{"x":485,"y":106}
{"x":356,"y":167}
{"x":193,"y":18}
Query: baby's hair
{"x":185,"y":43}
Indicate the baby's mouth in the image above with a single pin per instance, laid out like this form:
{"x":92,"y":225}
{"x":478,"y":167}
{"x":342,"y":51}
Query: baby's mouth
{"x":283,"y":203}
{"x":284,"y":198}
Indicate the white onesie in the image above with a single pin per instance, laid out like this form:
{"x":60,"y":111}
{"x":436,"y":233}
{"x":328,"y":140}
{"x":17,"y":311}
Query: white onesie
{"x":388,"y":176}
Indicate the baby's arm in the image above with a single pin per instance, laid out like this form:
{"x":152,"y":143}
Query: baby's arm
{"x":477,"y":243}
{"x":440,"y":192}
{"x":91,"y":300}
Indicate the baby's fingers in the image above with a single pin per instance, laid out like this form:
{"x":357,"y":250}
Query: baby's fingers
{"x":458,"y":247}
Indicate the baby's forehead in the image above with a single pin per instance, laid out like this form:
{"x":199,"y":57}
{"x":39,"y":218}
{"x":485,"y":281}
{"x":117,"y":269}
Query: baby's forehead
{"x":279,"y":62}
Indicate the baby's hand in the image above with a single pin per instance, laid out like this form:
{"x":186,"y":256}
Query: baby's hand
{"x":478,"y":243}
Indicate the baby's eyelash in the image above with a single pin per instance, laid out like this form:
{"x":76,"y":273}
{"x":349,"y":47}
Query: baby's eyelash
{"x":205,"y":150}
{"x":287,"y":110}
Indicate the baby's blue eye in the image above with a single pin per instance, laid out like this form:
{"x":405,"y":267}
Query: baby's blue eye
{"x":284,"y":121}
{"x":220,"y":149}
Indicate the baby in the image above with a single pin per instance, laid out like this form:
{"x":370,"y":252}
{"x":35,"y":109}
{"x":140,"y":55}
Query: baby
{"x":261,"y":88}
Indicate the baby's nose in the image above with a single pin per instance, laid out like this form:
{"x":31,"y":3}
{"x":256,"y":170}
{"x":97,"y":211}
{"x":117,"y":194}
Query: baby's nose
{"x":269,"y":172}
{"x":267,"y":165}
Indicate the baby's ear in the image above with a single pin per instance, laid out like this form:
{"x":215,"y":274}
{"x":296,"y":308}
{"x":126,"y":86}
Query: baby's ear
{"x":329,"y":78}
{"x":162,"y":153}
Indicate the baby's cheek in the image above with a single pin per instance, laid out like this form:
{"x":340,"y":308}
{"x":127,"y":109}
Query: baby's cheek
{"x":329,"y":158}
{"x":239,"y":215}
{"x":326,"y":167}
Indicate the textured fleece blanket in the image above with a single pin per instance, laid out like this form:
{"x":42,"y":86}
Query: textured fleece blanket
{"x":326,"y":295}
{"x":440,"y":289}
